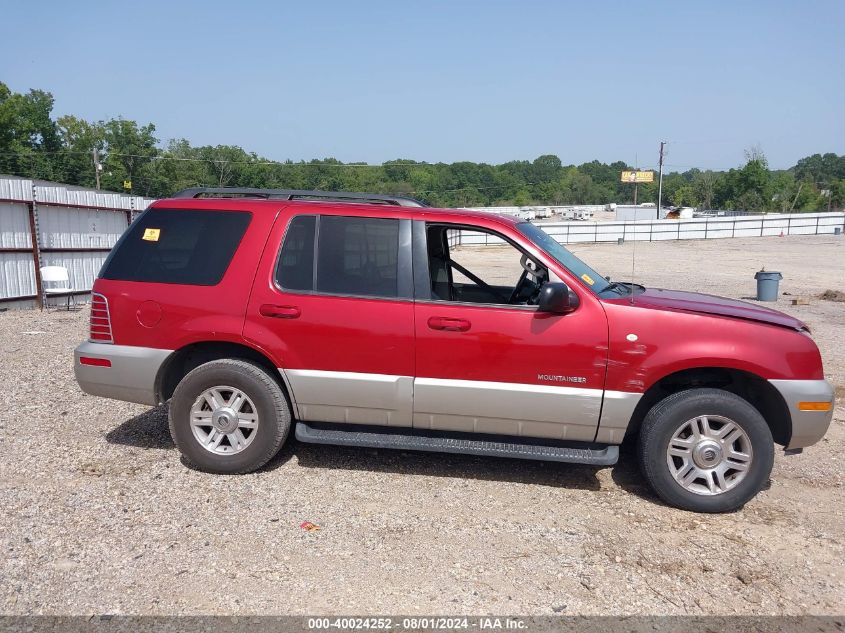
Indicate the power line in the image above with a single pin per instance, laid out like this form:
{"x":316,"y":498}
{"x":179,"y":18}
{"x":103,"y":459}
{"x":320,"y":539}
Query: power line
{"x":240,"y":162}
{"x":220,"y":160}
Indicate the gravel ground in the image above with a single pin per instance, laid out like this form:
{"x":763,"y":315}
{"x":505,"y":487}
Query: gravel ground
{"x":100,"y":516}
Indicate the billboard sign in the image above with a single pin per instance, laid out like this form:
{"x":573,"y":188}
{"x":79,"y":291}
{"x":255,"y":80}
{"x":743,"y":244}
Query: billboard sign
{"x":637,"y":176}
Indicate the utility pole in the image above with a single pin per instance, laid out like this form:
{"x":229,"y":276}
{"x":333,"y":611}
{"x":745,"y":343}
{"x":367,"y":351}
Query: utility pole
{"x":660,"y":180}
{"x":794,"y":200}
{"x":636,"y":184}
{"x":97,"y":167}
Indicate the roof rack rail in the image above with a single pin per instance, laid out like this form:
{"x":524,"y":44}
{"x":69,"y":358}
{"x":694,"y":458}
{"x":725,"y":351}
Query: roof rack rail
{"x":298,"y":194}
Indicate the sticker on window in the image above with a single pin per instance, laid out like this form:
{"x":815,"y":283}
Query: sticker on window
{"x":151,"y":235}
{"x":588,"y":279}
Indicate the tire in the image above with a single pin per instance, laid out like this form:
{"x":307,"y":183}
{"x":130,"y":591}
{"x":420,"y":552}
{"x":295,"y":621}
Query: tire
{"x":688,"y":478}
{"x":246,"y":448}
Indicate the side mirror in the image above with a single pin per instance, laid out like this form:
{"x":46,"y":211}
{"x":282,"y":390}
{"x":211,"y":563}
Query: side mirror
{"x":557,"y":298}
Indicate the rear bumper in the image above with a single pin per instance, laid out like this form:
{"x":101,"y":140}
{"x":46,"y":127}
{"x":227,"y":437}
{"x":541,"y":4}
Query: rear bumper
{"x":808,"y":427}
{"x":131,"y":376}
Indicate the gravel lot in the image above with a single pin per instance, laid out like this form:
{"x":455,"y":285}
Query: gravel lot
{"x":100,"y":516}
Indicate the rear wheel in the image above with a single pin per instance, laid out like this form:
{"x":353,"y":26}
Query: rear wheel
{"x":229,"y":416}
{"x":706,"y":450}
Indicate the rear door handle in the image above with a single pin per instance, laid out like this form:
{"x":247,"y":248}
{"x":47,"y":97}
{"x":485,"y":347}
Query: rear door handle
{"x":449,"y":324}
{"x":279,"y":312}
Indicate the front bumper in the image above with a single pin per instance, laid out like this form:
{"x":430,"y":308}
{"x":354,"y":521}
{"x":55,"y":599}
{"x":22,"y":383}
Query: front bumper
{"x":808,"y":427}
{"x":131,"y":376}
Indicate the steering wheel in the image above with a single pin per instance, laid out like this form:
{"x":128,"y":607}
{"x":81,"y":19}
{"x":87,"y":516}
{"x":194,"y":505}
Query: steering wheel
{"x":518,"y":287}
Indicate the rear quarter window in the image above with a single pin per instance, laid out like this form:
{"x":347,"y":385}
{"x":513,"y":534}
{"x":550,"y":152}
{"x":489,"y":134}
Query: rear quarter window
{"x":177,"y":247}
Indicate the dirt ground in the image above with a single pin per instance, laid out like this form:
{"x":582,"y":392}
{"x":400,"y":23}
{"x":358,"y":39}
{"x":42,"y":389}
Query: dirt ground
{"x":100,"y":516}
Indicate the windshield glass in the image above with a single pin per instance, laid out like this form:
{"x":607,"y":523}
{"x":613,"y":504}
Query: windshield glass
{"x":594,"y":280}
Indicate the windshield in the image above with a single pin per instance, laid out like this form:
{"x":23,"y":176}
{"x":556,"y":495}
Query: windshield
{"x":594,"y":280}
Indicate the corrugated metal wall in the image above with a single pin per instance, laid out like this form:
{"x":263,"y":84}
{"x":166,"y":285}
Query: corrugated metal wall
{"x":17,"y":272}
{"x":15,"y":189}
{"x":14,"y":226}
{"x":66,"y":227}
{"x":18,"y":275}
{"x":76,"y":229}
{"x":87,"y":198}
{"x":82,"y":268}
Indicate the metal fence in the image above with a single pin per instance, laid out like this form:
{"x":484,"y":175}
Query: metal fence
{"x":697,"y":228}
{"x":51,"y":225}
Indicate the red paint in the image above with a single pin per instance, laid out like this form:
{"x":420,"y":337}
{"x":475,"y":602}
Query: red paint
{"x":449,"y":325}
{"x":710,"y":304}
{"x":671,"y":340}
{"x":675,"y":330}
{"x":149,"y":314}
{"x":279,"y":312}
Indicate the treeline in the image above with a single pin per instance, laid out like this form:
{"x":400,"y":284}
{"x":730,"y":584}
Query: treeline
{"x":34,"y":144}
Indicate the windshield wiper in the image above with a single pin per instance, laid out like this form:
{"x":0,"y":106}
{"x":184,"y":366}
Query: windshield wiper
{"x":618,"y":286}
{"x":623,"y":287}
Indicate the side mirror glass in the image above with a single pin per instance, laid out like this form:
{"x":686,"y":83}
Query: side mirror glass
{"x":557,"y":298}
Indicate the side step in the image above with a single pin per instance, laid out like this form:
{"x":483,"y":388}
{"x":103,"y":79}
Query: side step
{"x":596,"y":455}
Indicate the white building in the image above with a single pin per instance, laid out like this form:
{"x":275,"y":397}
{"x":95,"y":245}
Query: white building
{"x":629,"y":212}
{"x":566,"y":212}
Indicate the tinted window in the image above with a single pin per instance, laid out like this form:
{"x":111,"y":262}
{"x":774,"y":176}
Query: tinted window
{"x":358,"y":256}
{"x":177,"y":247}
{"x":296,"y":263}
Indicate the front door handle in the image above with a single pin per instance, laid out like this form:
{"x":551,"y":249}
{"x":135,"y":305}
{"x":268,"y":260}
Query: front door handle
{"x":279,"y":312}
{"x":449,"y":324}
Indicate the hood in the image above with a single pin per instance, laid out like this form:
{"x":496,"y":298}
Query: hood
{"x":711,"y":304}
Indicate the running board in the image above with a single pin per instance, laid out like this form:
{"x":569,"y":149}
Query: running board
{"x":598,"y":456}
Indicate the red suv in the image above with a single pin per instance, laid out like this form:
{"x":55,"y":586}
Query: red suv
{"x":375,"y":321}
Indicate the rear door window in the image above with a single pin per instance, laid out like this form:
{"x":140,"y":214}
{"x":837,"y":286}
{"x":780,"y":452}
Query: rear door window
{"x":296,"y":263}
{"x":358,"y":256}
{"x":342,"y":255}
{"x":177,"y":247}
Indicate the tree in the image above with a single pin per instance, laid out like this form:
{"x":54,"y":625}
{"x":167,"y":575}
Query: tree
{"x":29,"y":138}
{"x":684,"y":196}
{"x":704,"y":185}
{"x":820,"y":168}
{"x":226,"y":163}
{"x":128,"y":148}
{"x":545,"y":168}
{"x":751,"y":183}
{"x":784,"y":189}
{"x":79,"y":139}
{"x":837,"y":193}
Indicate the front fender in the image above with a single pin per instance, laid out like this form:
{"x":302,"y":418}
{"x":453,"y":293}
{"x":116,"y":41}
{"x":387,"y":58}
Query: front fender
{"x":665,"y":342}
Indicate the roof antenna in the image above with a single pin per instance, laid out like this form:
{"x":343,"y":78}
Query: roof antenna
{"x":634,"y":250}
{"x":633,"y":257}
{"x":659,"y":196}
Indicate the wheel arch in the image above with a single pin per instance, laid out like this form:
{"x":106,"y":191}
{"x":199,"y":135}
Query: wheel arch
{"x":758,"y":391}
{"x":191,"y":356}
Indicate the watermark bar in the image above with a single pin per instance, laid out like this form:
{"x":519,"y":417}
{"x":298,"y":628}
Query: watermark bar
{"x":419,"y":623}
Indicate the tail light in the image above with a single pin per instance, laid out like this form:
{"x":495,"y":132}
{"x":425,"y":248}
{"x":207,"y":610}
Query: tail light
{"x":100,"y":320}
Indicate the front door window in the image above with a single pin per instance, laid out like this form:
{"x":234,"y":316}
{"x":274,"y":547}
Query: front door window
{"x":473,"y":266}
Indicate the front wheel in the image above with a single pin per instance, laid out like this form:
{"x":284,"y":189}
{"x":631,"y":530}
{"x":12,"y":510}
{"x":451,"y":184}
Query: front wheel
{"x":706,"y":450}
{"x":229,"y":416}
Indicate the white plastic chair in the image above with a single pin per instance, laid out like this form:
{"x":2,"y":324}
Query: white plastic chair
{"x":56,"y":282}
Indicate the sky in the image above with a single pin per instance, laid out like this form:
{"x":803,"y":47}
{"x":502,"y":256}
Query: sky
{"x":443,"y":81}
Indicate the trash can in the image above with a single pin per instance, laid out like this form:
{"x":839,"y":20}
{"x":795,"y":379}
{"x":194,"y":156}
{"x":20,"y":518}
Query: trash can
{"x":620,"y":240}
{"x":837,"y":230}
{"x":767,"y":285}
